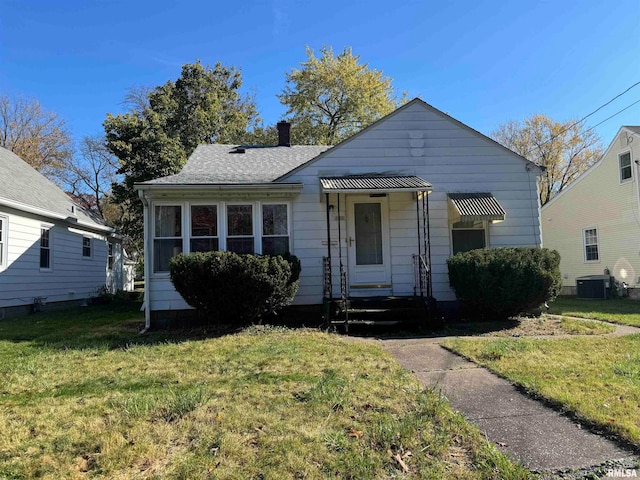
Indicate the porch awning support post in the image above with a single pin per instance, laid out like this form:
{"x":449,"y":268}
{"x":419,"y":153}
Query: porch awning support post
{"x":418,"y":284}
{"x":330,"y":284}
{"x":343,"y":277}
{"x":426,"y":236}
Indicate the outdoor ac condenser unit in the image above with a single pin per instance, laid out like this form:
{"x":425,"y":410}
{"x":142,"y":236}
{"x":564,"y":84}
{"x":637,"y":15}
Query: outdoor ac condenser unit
{"x":593,"y":286}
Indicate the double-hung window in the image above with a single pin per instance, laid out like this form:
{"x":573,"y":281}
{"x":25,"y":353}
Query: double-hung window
{"x":625,"y":166}
{"x":240,"y":228}
{"x":591,"y":245}
{"x":45,"y":248}
{"x":167,"y":240}
{"x":275,"y":229}
{"x":110,"y":256}
{"x":204,"y":228}
{"x":3,"y":242}
{"x":86,"y":247}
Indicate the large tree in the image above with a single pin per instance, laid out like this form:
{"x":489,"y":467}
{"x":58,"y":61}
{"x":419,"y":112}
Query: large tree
{"x":565,"y":150}
{"x":36,"y":135}
{"x":331,"y":97}
{"x":204,"y":105}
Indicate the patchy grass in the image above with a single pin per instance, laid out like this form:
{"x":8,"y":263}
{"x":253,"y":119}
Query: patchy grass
{"x":526,"y":327}
{"x":596,"y":378}
{"x":622,"y":310}
{"x":83,"y":396}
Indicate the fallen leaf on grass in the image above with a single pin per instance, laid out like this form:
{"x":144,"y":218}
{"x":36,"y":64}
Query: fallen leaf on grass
{"x":355,"y":433}
{"x":398,"y":459}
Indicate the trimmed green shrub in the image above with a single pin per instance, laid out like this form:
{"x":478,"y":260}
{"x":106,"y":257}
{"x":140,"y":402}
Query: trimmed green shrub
{"x":495,"y":284}
{"x":237,"y":289}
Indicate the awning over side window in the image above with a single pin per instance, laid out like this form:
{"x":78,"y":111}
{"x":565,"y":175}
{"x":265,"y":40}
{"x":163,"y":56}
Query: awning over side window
{"x":471,"y":207}
{"x":373,"y":184}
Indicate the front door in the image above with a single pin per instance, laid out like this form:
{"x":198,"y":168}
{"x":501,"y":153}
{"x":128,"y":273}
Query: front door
{"x":368,"y":245}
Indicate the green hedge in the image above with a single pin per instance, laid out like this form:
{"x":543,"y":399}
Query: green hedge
{"x":504,"y":282}
{"x":237,"y":289}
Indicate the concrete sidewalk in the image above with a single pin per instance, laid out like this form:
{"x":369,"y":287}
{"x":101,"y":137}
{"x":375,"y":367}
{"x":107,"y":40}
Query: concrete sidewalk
{"x":539,"y":437}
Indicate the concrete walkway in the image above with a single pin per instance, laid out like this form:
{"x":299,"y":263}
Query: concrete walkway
{"x":537,"y":436}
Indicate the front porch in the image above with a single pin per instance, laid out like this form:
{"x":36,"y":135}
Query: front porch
{"x":358,"y":271}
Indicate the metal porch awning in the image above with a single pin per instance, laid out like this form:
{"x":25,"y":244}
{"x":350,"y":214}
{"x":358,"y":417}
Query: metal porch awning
{"x":374,"y":184}
{"x":471,"y":207}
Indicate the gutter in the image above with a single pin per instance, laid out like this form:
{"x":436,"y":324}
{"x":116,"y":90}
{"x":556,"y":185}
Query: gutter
{"x":147,"y":284}
{"x":208,"y":187}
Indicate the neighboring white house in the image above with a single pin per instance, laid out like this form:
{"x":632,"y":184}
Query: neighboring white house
{"x":390,"y":204}
{"x":595,"y":222}
{"x":51,"y":250}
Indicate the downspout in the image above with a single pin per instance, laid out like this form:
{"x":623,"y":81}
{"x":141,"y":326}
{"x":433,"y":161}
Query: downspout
{"x":147,"y":250}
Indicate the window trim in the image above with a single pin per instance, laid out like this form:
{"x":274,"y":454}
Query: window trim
{"x":4,"y":240}
{"x":183,"y":222}
{"x":219,"y":208}
{"x":485,"y":228}
{"x":49,"y":247}
{"x":256,"y":227}
{"x":584,"y":244}
{"x":630,"y":166}
{"x":90,"y":256}
{"x":260,"y":223}
{"x":110,"y":256}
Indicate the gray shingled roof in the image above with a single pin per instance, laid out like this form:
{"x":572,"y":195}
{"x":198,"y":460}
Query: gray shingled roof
{"x":24,"y":185}
{"x":477,"y":206}
{"x":218,"y":164}
{"x":409,"y":183}
{"x":633,"y":128}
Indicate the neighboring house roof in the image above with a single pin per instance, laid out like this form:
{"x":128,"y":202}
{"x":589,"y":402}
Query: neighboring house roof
{"x":632,"y":128}
{"x":24,"y":188}
{"x":233,"y":164}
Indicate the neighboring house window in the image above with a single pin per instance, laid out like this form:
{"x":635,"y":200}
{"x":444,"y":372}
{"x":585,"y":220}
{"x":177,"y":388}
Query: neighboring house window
{"x":167,"y":240}
{"x":204,"y":228}
{"x":3,"y":242}
{"x":467,"y":236}
{"x":240,"y":228}
{"x":591,"y":245}
{"x":45,"y":248}
{"x":86,"y":247}
{"x":110,"y":256}
{"x":275,"y":229}
{"x":625,"y":166}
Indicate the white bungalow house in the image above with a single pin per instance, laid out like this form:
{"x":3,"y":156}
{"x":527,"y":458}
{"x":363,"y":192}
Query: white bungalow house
{"x":595,"y":222}
{"x":374,"y":216}
{"x":52,"y":251}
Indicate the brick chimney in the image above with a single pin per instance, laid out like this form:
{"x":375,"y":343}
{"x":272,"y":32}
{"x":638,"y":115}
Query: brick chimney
{"x":284,"y":134}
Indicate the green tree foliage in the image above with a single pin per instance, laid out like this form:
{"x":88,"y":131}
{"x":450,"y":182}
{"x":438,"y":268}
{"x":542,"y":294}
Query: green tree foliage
{"x":566,"y":149}
{"x":494,"y":284}
{"x":331,"y":97}
{"x":155,"y":139}
{"x":237,"y":289}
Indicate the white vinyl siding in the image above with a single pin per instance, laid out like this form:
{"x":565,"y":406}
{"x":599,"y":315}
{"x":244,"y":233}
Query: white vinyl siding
{"x":591,"y":245}
{"x":71,"y":277}
{"x":625,"y":167}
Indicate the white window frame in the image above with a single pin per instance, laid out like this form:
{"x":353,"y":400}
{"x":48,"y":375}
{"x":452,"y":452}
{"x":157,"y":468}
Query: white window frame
{"x":630,"y":166}
{"x":221,"y":209}
{"x":110,"y":255}
{"x":183,"y":225}
{"x":48,"y":228}
{"x":256,"y":227}
{"x":485,"y":228}
{"x":90,"y":256}
{"x":585,"y":245}
{"x":260,"y":221}
{"x":4,"y":235}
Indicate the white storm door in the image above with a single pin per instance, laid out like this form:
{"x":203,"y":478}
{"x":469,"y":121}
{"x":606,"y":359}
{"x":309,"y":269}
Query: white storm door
{"x":368,"y":242}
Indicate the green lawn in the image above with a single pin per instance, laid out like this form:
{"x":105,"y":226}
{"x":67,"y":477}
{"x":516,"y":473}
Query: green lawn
{"x":596,"y":378}
{"x":622,"y":310}
{"x":82,"y":395}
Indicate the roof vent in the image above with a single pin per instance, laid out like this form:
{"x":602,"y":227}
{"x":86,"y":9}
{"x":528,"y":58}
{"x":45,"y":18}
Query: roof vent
{"x":284,"y":134}
{"x":73,"y":209}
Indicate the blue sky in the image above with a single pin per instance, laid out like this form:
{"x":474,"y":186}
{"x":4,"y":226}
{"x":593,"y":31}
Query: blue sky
{"x":483,"y":62}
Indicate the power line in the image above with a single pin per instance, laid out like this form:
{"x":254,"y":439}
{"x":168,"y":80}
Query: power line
{"x":587,"y":116}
